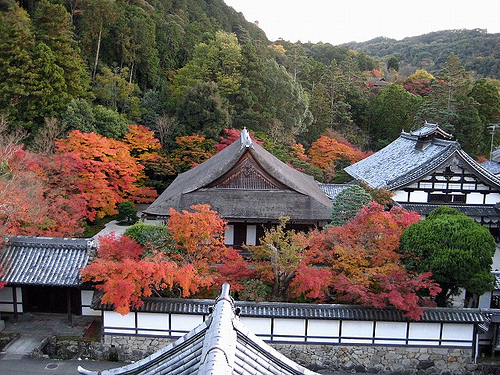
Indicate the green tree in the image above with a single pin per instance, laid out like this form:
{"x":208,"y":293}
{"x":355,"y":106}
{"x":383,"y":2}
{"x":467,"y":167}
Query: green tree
{"x":96,"y":19}
{"x":202,"y":111}
{"x":457,"y":250}
{"x":49,"y":88}
{"x":153,"y":238}
{"x":392,"y":110}
{"x":135,"y":41}
{"x":218,"y":61}
{"x":109,"y":123}
{"x":348,"y":203}
{"x":114,"y":91}
{"x":393,"y":63}
{"x":449,"y":105}
{"x":16,"y":64}
{"x":52,"y":25}
{"x":127,"y":213}
{"x":79,"y":115}
{"x":487,"y":96}
{"x":286,"y":105}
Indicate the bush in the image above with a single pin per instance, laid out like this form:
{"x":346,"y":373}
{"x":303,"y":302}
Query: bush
{"x":127,"y":214}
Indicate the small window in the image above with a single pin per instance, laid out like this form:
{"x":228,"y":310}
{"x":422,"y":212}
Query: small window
{"x":446,"y":198}
{"x":229,"y":235}
{"x":439,"y":198}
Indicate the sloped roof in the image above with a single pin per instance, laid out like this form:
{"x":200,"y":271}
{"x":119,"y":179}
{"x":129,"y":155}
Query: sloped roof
{"x":472,"y":210}
{"x":303,"y":311}
{"x":220,"y":345}
{"x":43,"y":260}
{"x":332,"y":190}
{"x":299,"y":196}
{"x":492,"y":166}
{"x":402,"y":162}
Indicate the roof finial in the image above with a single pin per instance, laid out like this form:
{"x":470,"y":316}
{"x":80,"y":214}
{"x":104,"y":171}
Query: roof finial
{"x":246,"y":141}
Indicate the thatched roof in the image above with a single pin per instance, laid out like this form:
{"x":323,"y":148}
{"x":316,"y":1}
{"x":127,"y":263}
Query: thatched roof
{"x":284,"y":191}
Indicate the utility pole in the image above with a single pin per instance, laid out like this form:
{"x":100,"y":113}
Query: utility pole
{"x":493,"y":129}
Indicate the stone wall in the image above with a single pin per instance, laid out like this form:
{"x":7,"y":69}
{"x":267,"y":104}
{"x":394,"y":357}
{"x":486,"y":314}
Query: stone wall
{"x":380,"y":359}
{"x":321,"y":358}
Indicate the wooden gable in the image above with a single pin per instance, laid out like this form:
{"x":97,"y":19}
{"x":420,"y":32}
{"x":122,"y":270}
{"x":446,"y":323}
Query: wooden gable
{"x":247,"y":174}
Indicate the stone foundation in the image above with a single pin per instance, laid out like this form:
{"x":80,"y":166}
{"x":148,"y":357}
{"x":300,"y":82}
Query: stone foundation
{"x":380,"y":359}
{"x":321,"y":358}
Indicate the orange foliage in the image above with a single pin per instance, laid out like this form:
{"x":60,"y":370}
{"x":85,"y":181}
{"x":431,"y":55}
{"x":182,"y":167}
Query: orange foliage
{"x":363,"y":256}
{"x":109,"y":175}
{"x":125,"y":277}
{"x":332,"y":148}
{"x":141,"y":142}
{"x":199,"y":236}
{"x":191,"y":151}
{"x":38,"y":195}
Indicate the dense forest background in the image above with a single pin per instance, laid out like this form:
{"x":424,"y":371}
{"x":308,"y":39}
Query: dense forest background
{"x":104,"y":102}
{"x":191,"y":67}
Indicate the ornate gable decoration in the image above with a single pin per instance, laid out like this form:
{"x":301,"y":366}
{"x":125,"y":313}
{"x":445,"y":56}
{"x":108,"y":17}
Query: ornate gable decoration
{"x":247,"y":175}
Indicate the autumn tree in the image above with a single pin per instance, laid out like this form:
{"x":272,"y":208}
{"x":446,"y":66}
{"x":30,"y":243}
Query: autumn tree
{"x":419,"y":83}
{"x":367,"y":269}
{"x":39,"y":195}
{"x":331,"y":153}
{"x":199,"y":236}
{"x":457,"y":250}
{"x":109,"y":174}
{"x":190,"y":151}
{"x":182,"y":258}
{"x":141,"y":142}
{"x":125,"y":274}
{"x":280,"y":260}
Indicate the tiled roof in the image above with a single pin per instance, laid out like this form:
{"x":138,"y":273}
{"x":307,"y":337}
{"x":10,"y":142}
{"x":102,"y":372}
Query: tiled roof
{"x":303,"y":310}
{"x":429,"y":128}
{"x":44,"y":261}
{"x":469,"y":210}
{"x":220,"y":345}
{"x":492,"y":166}
{"x":332,"y":190}
{"x":402,"y":162}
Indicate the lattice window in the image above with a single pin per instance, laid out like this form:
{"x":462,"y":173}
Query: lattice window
{"x":248,"y":177}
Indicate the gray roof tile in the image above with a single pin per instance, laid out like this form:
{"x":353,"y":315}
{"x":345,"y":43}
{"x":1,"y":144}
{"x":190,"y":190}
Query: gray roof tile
{"x":469,"y":210}
{"x":401,"y":162}
{"x":303,"y":310}
{"x":44,"y":261}
{"x":220,"y":345}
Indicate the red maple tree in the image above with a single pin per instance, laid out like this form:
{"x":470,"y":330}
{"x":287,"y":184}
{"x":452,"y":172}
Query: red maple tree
{"x":363,"y":257}
{"x":109,"y":175}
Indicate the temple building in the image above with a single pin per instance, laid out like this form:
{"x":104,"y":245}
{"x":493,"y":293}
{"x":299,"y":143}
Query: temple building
{"x":250,"y":188}
{"x":425,"y":169}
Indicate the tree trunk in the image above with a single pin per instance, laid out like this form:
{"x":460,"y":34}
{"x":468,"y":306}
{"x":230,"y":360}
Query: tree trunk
{"x":97,"y":53}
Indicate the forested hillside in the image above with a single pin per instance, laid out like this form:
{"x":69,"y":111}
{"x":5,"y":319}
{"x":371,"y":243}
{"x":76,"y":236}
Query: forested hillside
{"x":170,"y":82}
{"x":477,"y":50}
{"x":104,"y":102}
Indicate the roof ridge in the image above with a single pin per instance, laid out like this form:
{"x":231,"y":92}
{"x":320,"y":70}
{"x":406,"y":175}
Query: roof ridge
{"x":434,"y":163}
